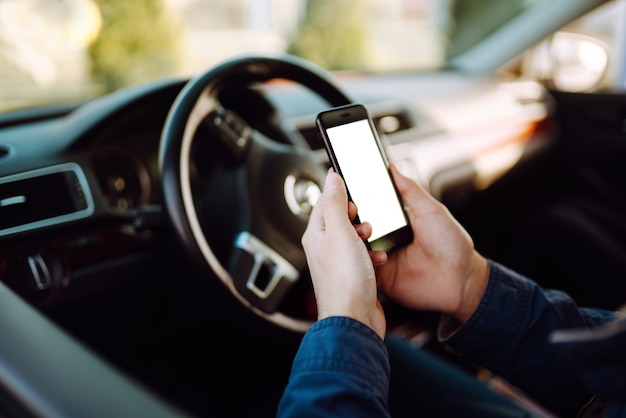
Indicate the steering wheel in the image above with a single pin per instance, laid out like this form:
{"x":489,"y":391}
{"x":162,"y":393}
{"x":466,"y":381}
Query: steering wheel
{"x":237,"y":198}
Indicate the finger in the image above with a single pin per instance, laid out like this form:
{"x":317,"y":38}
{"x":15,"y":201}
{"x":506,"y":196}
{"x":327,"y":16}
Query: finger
{"x":411,"y":191}
{"x":334,"y":201}
{"x":316,"y":220}
{"x":364,"y":230}
{"x":352,"y":211}
{"x":378,"y":258}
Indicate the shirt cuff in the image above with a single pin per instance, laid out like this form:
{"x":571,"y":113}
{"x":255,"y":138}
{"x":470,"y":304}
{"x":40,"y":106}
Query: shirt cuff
{"x":498,"y":314}
{"x":345,"y":344}
{"x":341,"y":369}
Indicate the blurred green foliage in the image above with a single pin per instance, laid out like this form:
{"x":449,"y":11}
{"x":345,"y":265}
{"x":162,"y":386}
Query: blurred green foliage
{"x":332,"y":34}
{"x":137,"y":43}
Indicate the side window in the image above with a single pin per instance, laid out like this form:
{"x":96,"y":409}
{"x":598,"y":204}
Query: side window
{"x":586,"y":55}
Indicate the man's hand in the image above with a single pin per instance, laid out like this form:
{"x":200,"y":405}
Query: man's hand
{"x":341,"y":268}
{"x":440,"y":270}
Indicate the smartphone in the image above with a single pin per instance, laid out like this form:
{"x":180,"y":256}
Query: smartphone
{"x":357,"y":154}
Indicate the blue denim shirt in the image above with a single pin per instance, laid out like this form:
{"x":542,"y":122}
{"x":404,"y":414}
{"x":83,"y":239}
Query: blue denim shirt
{"x":510,"y":334}
{"x":342,"y":368}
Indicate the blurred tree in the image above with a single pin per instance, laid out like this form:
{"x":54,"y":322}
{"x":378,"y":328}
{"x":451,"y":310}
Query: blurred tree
{"x":137,"y":43}
{"x":332,"y":34}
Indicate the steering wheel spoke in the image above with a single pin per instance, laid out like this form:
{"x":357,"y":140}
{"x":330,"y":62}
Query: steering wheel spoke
{"x":261,"y":274}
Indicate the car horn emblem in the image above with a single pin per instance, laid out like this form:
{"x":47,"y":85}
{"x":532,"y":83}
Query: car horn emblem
{"x":301,"y":194}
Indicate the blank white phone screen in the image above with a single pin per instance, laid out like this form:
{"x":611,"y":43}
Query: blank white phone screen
{"x":366,"y":177}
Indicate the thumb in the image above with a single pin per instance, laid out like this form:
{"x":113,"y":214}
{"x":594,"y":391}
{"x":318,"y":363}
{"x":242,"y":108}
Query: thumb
{"x":412,"y":192}
{"x":334,"y":202}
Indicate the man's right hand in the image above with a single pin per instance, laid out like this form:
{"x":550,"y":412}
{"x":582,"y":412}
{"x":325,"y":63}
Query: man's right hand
{"x":440,"y":270}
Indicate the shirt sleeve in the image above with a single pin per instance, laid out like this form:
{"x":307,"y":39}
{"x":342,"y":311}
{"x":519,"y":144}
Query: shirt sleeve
{"x":341,"y":369}
{"x":509,"y":334}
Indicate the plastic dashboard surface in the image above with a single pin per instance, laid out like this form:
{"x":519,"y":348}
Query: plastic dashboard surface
{"x":446,"y":131}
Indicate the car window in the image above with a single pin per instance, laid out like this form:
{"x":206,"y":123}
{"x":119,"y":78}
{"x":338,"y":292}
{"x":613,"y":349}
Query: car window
{"x":53,"y":51}
{"x":585,"y":55}
{"x":607,"y":27}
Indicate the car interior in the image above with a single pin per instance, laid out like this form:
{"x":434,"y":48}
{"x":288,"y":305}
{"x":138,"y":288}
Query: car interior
{"x":150,"y":256}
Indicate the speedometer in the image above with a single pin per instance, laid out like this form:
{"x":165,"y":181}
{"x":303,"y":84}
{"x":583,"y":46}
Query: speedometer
{"x":124,"y":180}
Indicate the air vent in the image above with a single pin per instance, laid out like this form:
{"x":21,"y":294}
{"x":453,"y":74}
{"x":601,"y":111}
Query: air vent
{"x":43,"y":197}
{"x":393,"y":122}
{"x":312,"y":136}
{"x":387,"y":123}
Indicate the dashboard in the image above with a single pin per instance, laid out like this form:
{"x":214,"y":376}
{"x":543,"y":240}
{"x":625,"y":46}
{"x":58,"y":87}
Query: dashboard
{"x":100,"y":222}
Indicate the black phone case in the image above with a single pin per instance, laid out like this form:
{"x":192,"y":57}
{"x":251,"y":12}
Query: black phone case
{"x":351,"y":113}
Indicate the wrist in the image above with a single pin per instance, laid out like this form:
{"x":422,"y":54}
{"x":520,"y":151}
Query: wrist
{"x":372,"y":318}
{"x":473,"y":289}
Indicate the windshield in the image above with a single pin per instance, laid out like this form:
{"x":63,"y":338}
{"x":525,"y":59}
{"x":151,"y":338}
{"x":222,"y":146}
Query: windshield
{"x":56,"y":51}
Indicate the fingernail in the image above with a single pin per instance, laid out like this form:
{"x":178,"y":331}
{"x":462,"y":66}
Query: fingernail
{"x":332,"y":181}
